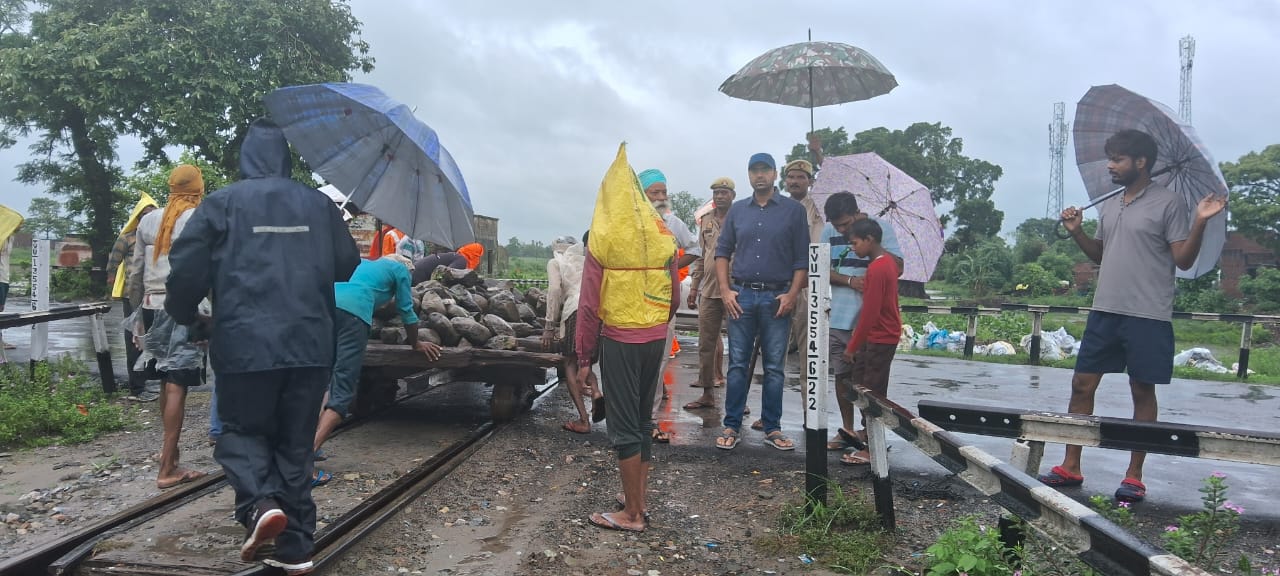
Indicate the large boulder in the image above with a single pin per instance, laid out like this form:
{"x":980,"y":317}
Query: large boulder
{"x":526,"y":313}
{"x":431,"y":302}
{"x":498,"y":325}
{"x":523,"y":330}
{"x":455,"y":277}
{"x":474,"y":332}
{"x":442,"y":327}
{"x":504,"y":305}
{"x":428,"y":335}
{"x":394,"y":335}
{"x":502,"y":342}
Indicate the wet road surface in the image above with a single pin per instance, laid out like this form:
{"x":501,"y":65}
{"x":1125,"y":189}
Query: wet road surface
{"x":1172,"y":481}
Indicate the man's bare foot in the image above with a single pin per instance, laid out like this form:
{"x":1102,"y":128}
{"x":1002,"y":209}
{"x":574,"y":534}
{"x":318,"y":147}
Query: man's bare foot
{"x":578,"y":426}
{"x":179,"y":476}
{"x":617,"y":521}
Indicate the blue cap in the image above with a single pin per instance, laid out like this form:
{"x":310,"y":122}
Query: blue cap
{"x":764,"y":157}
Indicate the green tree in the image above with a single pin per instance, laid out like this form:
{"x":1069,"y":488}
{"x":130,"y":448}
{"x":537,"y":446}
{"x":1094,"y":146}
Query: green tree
{"x":976,"y":219}
{"x":1033,"y":280}
{"x":683,"y":205}
{"x":45,"y":216}
{"x":1058,"y":265}
{"x":984,"y":269}
{"x":154,"y":178}
{"x":185,"y":73}
{"x":1262,"y":291}
{"x":926,"y":151}
{"x":1254,"y":181}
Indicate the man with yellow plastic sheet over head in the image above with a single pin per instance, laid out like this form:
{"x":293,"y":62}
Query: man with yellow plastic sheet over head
{"x":118,"y":273}
{"x":628,"y":296}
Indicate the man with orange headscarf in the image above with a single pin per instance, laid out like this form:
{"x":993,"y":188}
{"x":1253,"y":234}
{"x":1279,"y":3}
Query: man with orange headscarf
{"x":472,"y":252}
{"x":179,"y":362}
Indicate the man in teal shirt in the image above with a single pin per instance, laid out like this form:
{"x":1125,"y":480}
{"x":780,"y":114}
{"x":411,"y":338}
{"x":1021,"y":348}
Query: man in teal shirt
{"x":373,"y":285}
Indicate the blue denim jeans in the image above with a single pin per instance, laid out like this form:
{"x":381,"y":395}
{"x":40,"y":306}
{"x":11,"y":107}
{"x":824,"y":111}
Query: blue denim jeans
{"x":759,"y":308}
{"x":215,"y":421}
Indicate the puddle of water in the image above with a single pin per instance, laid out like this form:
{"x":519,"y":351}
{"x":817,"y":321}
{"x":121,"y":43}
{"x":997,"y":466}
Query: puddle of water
{"x":497,"y":543}
{"x":947,"y":383}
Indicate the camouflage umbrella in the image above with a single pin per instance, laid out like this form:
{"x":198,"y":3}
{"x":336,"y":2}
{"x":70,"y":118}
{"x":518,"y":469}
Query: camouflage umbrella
{"x":811,"y":74}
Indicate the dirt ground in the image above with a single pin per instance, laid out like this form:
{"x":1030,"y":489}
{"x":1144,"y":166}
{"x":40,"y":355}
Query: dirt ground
{"x":520,"y":505}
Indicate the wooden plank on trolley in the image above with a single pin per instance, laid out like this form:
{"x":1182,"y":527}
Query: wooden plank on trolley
{"x":392,"y":356}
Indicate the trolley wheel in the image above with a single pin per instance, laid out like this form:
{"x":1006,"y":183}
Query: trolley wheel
{"x":506,"y":402}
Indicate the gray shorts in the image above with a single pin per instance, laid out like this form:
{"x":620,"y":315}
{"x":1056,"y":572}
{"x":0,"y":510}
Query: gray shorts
{"x":838,"y":340}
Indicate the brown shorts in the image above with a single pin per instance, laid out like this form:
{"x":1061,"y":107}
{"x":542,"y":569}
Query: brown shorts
{"x":568,"y":348}
{"x":871,"y":367}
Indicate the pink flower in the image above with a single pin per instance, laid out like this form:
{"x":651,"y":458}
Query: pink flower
{"x":1123,"y":504}
{"x":1218,"y":475}
{"x":1170,"y":528}
{"x":1238,"y":509}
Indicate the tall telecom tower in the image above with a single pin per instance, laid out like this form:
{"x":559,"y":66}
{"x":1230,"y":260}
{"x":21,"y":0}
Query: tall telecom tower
{"x":1057,"y":147}
{"x":1187,"y":49}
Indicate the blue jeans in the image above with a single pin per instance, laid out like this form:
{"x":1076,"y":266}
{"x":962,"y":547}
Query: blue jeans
{"x":215,"y":421}
{"x":759,"y":308}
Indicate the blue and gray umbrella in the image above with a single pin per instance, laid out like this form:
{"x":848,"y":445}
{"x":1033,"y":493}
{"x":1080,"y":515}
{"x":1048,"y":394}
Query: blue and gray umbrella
{"x":373,"y":149}
{"x":1183,"y":163}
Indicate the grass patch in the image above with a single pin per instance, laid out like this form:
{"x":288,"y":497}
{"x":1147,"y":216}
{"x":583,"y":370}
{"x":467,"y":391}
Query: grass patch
{"x":844,"y":535}
{"x":60,"y":405}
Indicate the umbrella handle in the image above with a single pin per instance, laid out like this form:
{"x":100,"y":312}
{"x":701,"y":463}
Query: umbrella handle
{"x":1061,"y":231}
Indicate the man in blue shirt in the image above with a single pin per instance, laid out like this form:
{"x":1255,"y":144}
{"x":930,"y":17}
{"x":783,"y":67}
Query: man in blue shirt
{"x":847,"y":273}
{"x":767,"y":238}
{"x":373,"y":285}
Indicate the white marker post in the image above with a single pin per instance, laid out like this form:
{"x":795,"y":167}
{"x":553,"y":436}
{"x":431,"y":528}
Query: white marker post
{"x":815,"y":398}
{"x":39,"y":299}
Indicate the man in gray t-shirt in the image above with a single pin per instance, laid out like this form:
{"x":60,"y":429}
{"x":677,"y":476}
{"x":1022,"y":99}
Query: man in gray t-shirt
{"x":1142,"y":235}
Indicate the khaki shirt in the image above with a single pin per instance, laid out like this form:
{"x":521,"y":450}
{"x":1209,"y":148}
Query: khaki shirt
{"x":814,"y":216}
{"x":703,"y":269}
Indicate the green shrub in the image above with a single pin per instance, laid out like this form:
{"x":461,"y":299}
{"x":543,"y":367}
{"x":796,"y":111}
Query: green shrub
{"x":970,"y":548}
{"x":60,"y":404}
{"x":843,"y":535}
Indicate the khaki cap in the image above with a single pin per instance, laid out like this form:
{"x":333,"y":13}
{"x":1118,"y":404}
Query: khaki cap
{"x":722,"y":182}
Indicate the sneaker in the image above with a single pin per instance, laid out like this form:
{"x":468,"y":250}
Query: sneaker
{"x":146,"y":396}
{"x":268,"y":521}
{"x":291,"y":568}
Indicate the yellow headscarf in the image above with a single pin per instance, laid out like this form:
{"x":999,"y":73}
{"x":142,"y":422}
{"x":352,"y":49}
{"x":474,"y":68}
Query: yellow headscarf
{"x":145,"y":200}
{"x":186,"y":189}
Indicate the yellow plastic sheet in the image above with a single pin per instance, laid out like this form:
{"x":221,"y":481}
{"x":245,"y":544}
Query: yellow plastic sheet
{"x":635,"y":248}
{"x":9,"y":222}
{"x":117,"y":289}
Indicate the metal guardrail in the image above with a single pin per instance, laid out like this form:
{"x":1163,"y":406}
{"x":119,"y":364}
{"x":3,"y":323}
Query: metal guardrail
{"x":101,"y":347}
{"x":1095,"y":540}
{"x":1229,"y":444}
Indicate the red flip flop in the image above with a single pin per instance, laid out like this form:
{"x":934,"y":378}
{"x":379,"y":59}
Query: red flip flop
{"x":1059,"y":477}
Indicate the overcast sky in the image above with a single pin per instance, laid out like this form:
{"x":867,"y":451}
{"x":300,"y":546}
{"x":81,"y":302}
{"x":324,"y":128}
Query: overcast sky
{"x":532,"y":98}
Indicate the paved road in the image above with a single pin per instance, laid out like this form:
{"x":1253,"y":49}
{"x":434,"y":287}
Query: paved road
{"x":1172,"y":482}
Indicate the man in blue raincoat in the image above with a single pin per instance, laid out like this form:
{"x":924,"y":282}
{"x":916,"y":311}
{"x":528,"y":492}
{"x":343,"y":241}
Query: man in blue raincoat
{"x":269,"y":250}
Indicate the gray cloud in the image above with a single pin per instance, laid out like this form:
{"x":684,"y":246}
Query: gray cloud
{"x":532,"y":98}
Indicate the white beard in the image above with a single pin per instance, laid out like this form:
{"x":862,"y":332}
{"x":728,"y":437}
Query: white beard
{"x":662,"y":207}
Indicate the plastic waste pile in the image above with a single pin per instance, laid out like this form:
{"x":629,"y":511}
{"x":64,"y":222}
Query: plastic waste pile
{"x":1201,"y":358}
{"x":1054,"y":345}
{"x":931,"y":337}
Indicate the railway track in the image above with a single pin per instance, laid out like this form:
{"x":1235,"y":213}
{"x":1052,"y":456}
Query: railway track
{"x":75,"y":553}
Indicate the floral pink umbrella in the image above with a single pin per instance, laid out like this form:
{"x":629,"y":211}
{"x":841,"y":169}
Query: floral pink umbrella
{"x":889,"y":195}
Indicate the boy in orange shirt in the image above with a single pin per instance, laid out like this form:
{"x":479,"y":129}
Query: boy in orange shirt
{"x":875,"y":339}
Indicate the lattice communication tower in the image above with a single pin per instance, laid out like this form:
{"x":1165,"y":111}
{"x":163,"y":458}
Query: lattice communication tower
{"x":1187,"y":50}
{"x":1057,"y":148}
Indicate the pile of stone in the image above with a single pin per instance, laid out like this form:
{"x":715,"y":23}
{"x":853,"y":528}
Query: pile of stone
{"x":459,"y":309}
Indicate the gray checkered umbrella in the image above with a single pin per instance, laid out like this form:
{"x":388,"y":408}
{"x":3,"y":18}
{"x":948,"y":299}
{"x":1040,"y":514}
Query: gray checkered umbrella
{"x":1183,"y":164}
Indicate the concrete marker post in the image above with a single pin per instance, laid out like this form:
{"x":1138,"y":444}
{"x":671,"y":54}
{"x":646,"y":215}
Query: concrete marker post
{"x":1246,"y":342}
{"x":1037,"y":325}
{"x":39,"y":299}
{"x":815,"y":397}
